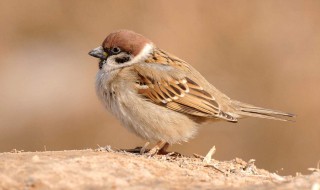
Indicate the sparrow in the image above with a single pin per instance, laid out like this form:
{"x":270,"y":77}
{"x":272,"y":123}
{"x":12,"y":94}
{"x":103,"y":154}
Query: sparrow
{"x":159,"y":96}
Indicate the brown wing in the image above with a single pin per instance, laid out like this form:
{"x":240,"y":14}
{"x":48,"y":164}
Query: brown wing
{"x":168,"y":86}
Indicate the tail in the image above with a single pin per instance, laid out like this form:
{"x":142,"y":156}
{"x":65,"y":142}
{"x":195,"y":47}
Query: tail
{"x":243,"y":110}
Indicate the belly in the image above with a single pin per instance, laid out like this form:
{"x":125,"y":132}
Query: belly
{"x":153,"y":122}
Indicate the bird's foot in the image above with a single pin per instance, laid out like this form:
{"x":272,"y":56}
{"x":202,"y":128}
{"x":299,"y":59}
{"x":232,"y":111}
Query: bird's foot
{"x":159,"y":149}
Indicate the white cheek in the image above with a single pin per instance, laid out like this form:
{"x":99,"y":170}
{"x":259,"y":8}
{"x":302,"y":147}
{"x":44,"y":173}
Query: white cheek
{"x":109,"y":65}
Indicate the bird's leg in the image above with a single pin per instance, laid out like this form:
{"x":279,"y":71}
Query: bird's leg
{"x":144,"y":148}
{"x":164,"y":151}
{"x":164,"y":148}
{"x":161,"y":149}
{"x":159,"y":146}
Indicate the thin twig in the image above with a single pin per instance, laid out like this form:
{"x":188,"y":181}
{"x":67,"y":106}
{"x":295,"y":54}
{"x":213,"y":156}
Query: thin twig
{"x":198,"y":156}
{"x":216,"y":168}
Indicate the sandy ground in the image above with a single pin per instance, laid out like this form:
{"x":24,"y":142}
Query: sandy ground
{"x":108,"y":169}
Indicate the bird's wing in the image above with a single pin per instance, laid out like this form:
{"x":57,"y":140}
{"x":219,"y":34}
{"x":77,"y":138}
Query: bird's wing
{"x":169,"y":86}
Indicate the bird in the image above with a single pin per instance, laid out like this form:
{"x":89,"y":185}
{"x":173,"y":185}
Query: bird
{"x":160,"y":97}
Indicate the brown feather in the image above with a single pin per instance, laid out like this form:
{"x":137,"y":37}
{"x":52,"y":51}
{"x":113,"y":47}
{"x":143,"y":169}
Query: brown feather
{"x":169,"y":87}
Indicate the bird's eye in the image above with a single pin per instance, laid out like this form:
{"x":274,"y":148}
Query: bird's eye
{"x":115,"y":50}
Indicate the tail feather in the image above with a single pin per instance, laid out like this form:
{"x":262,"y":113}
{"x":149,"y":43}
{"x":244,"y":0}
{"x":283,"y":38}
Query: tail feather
{"x":244,"y":110}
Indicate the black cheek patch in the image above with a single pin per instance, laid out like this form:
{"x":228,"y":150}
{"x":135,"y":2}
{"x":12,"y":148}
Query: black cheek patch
{"x":122,"y":60}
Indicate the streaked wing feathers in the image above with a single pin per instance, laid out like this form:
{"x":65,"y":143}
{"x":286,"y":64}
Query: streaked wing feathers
{"x":169,"y":87}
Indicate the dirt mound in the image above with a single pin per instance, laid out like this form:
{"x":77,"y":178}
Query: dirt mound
{"x":105,"y":168}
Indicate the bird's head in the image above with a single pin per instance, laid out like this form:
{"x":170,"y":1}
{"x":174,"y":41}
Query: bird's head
{"x":122,"y":48}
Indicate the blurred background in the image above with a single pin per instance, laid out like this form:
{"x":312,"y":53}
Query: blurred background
{"x":266,"y":53}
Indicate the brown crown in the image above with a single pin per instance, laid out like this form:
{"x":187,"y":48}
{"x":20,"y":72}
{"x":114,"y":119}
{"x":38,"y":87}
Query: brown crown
{"x":126,"y":40}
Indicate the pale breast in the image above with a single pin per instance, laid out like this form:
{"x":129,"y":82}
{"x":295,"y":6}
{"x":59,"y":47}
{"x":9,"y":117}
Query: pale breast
{"x":144,"y":118}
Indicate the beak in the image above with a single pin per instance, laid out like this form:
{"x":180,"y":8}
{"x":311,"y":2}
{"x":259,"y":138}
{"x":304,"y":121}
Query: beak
{"x":98,"y":53}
